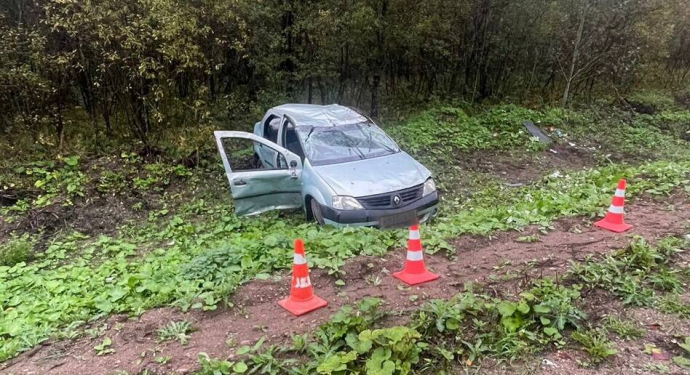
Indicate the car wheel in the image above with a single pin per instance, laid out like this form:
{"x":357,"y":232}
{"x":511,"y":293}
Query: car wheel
{"x":316,"y":212}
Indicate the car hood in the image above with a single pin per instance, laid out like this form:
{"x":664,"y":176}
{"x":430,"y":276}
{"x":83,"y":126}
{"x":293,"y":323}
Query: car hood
{"x":374,"y":176}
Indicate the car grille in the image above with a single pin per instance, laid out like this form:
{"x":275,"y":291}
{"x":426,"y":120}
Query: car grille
{"x":384,"y":201}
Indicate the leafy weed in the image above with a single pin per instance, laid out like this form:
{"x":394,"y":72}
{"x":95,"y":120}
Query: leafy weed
{"x":596,"y":344}
{"x":104,"y":347}
{"x":175,"y":331}
{"x":623,"y":328}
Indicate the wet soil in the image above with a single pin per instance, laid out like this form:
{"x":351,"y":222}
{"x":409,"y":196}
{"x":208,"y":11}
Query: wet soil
{"x":499,"y":260}
{"x":520,"y":167}
{"x":97,"y":212}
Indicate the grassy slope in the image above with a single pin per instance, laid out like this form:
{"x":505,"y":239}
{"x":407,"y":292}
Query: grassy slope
{"x":193,"y":252}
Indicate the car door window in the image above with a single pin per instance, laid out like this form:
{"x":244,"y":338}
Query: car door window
{"x":242,"y":155}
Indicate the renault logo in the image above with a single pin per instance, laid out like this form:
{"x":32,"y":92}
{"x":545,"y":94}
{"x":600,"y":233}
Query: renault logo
{"x":397,"y":200}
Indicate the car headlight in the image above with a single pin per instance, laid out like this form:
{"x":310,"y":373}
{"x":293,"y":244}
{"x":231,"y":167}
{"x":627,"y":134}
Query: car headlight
{"x":429,"y":187}
{"x":341,"y":202}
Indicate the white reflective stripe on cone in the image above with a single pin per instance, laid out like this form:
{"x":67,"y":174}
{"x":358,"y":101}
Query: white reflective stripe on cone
{"x":615,"y":209}
{"x":299,"y":259}
{"x":620,"y":193}
{"x":302,"y":282}
{"x":414,"y":234}
{"x":415,"y":255}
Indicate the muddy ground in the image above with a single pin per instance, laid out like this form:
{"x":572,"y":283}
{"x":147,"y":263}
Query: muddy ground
{"x":498,"y":260}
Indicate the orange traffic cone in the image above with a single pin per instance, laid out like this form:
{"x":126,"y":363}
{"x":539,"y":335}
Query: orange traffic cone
{"x":614,"y":218}
{"x":302,"y":298}
{"x":415,"y":271}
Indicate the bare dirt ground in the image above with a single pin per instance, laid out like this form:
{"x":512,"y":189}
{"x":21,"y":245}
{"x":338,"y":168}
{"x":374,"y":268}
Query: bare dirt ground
{"x":97,"y":212}
{"x":499,"y":260}
{"x":520,"y":167}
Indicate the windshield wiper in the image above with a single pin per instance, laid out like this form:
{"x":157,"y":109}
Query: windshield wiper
{"x":351,"y":144}
{"x":309,"y":135}
{"x":370,"y":137}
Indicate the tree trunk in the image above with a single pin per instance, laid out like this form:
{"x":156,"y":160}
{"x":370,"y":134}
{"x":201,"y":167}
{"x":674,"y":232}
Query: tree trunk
{"x":576,"y":54}
{"x":379,"y":61}
{"x":309,"y":88}
{"x":376,"y":82}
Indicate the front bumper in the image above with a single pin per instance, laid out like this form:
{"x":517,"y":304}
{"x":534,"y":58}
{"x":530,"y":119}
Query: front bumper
{"x":426,"y":208}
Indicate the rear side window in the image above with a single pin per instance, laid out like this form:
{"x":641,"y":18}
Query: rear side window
{"x":271,"y":129}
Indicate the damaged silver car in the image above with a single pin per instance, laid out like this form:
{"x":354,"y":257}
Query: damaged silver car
{"x":331,"y":161}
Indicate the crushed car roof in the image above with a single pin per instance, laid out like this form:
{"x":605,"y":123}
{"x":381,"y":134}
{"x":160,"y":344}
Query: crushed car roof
{"x":318,"y":115}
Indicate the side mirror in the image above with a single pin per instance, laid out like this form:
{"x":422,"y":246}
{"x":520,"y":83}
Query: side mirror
{"x":293,"y":164}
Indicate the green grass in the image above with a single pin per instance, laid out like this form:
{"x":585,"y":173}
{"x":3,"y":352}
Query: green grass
{"x":624,"y":329}
{"x":632,"y":273}
{"x":440,"y":132}
{"x":596,"y":344}
{"x":654,"y":99}
{"x":672,"y":304}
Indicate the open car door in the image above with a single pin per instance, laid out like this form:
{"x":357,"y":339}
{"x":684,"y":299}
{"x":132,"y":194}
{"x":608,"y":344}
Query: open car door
{"x":256,"y":188}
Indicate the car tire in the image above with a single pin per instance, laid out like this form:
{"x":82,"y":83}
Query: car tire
{"x":316,"y":212}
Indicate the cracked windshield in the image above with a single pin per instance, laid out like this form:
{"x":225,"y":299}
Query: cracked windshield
{"x":332,"y":145}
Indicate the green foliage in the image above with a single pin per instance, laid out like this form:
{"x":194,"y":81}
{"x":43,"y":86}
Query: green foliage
{"x":157,"y":176}
{"x":620,"y":135}
{"x":557,"y":305}
{"x":500,"y":328}
{"x":349,"y":323}
{"x":655,"y":100}
{"x":596,"y":344}
{"x":175,"y":331}
{"x":467,"y":327}
{"x":578,"y":193}
{"x":666,"y":280}
{"x":673,"y":304}
{"x":104,"y":347}
{"x":111,"y":182}
{"x":17,"y":249}
{"x":441,"y":132}
{"x":382,"y":351}
{"x":642,"y":139}
{"x":392,"y":350}
{"x":163,"y":359}
{"x":201,"y":254}
{"x":684,"y":360}
{"x":261,"y":360}
{"x":218,"y":367}
{"x":528,"y":239}
{"x":630,"y":273}
{"x":464,"y":329}
{"x":623,"y":328}
{"x":64,"y":180}
{"x":62,"y":73}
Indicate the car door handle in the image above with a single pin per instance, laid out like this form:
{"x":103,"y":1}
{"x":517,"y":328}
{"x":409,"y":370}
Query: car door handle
{"x":239,"y":182}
